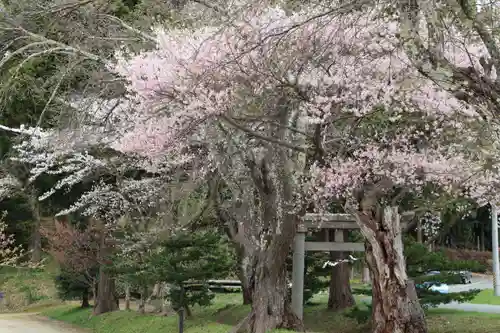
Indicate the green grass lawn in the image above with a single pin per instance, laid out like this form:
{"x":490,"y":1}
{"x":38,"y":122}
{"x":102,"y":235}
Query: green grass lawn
{"x":27,"y":289}
{"x":486,"y":297}
{"x":227,"y":311}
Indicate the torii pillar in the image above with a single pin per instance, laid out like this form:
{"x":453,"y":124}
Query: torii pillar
{"x":299,"y":250}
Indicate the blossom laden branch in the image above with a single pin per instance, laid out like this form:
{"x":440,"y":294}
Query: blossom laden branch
{"x":12,"y":255}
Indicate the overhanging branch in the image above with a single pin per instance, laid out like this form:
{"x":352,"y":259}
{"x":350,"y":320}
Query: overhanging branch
{"x":247,"y":130}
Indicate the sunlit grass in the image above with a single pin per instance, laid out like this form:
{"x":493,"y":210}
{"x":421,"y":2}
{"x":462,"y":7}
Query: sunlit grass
{"x":486,"y":297}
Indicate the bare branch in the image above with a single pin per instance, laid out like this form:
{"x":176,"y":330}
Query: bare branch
{"x":128,"y":27}
{"x":265,"y":138}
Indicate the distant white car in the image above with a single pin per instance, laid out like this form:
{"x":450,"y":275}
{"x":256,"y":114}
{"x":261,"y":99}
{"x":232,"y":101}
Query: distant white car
{"x":441,"y":288}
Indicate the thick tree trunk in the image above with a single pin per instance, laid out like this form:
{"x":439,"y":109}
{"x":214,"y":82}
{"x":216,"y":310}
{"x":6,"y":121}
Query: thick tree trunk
{"x":247,"y":294}
{"x":340,"y":293}
{"x":270,"y":307}
{"x":85,"y":299}
{"x":245,"y":275}
{"x":244,"y":267}
{"x":269,"y":233}
{"x":106,"y":291}
{"x":106,"y":298}
{"x":395,"y":306}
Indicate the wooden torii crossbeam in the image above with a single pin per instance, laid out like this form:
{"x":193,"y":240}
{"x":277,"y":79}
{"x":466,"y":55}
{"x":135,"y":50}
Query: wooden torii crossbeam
{"x":338,"y":222}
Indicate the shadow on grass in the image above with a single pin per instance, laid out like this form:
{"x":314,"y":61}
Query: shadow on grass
{"x":316,"y":319}
{"x":77,"y":310}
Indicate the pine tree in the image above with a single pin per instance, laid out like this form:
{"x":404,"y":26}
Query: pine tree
{"x":420,"y":260}
{"x":71,"y":284}
{"x":186,"y":262}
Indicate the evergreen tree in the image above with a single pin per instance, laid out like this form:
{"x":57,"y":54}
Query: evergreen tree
{"x":71,"y":285}
{"x":186,"y":262}
{"x":420,"y":260}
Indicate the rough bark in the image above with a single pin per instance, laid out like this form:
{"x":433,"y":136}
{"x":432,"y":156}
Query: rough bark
{"x":267,"y":226}
{"x":85,"y":299}
{"x":245,"y":275}
{"x":270,"y":307}
{"x":245,"y":266}
{"x":395,"y":306}
{"x":106,"y":298}
{"x":106,"y":292}
{"x":247,"y":294}
{"x":340,"y":293}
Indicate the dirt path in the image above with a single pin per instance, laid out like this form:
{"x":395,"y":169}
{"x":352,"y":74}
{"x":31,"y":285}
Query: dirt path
{"x":30,"y":323}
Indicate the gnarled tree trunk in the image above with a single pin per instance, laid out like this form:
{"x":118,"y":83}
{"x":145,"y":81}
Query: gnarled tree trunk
{"x":245,"y":267}
{"x":106,"y":298}
{"x":106,"y":291}
{"x":340,"y":293}
{"x":267,"y":218}
{"x":270,"y":306}
{"x":247,"y":294}
{"x":246,"y":271}
{"x":395,"y":306}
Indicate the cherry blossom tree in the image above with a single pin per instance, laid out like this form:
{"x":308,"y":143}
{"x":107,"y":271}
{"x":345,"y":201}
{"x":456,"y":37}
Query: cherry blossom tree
{"x":117,"y":190}
{"x":242,"y":76}
{"x":458,"y":50}
{"x":263,"y":166}
{"x":76,"y":251}
{"x":10,"y":253}
{"x":296,"y":109}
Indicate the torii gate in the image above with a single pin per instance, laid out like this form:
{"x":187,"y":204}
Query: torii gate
{"x":338,"y":222}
